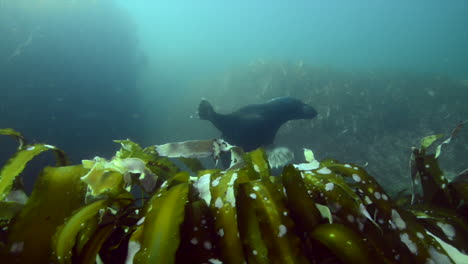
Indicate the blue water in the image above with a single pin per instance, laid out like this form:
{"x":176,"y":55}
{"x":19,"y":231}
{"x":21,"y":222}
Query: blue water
{"x":411,"y":35}
{"x":78,"y":74}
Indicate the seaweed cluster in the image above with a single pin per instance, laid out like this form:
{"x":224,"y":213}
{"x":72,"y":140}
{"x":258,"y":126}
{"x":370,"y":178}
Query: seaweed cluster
{"x":160,"y":205}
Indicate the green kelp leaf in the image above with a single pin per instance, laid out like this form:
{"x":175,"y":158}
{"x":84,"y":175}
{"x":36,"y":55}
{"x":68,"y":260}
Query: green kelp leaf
{"x":343,"y":242}
{"x":92,"y":248}
{"x":218,"y":189}
{"x":459,"y":192}
{"x":160,"y":166}
{"x":199,"y":241}
{"x":12,"y":204}
{"x":333,"y":186}
{"x":303,"y":209}
{"x":66,"y":235}
{"x":433,"y":182}
{"x":158,"y":238}
{"x":57,"y":193}
{"x":447,"y":141}
{"x":450,"y":254}
{"x":445,"y":224}
{"x":13,"y":133}
{"x":348,"y":210}
{"x":9,"y":209}
{"x":254,"y":245}
{"x":102,"y":181}
{"x":117,"y":212}
{"x":378,"y":209}
{"x":366,"y":186}
{"x":16,"y":164}
{"x":426,"y":142}
{"x":276,"y":227}
{"x":130,"y":149}
{"x":110,"y":176}
{"x":259,"y":161}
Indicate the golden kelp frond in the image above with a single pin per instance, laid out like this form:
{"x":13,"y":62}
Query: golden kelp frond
{"x":17,"y":163}
{"x":15,"y":134}
{"x":57,"y":193}
{"x":314,"y":212}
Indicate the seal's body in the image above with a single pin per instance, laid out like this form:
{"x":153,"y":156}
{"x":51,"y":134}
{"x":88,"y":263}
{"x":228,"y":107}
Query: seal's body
{"x":255,"y":125}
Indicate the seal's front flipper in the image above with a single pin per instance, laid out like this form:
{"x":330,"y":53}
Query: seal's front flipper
{"x":205,"y":110}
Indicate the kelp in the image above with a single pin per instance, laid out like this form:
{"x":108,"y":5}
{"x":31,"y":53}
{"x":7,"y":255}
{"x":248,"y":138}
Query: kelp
{"x":58,"y":192}
{"x":16,"y":164}
{"x":15,"y":134}
{"x":314,"y":212}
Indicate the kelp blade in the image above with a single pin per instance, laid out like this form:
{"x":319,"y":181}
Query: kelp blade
{"x":13,"y":133}
{"x":58,"y":192}
{"x":16,"y":165}
{"x":66,"y":235}
{"x":276,"y":227}
{"x":159,"y":236}
{"x":343,"y":242}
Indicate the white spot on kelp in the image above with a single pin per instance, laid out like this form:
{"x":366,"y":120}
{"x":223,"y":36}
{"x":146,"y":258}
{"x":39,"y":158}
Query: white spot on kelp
{"x":133,"y":248}
{"x":17,"y":247}
{"x":219,"y":203}
{"x":215,"y":182}
{"x":396,"y":218}
{"x":282,"y":230}
{"x":324,"y":170}
{"x":256,"y":168}
{"x":356,"y":177}
{"x":203,"y":187}
{"x":215,"y":261}
{"x":377,"y":195}
{"x":409,"y":244}
{"x":367,"y":200}
{"x":230,"y":197}
{"x":448,"y":230}
{"x":307,"y":166}
{"x":438,"y":257}
{"x":207,"y":245}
